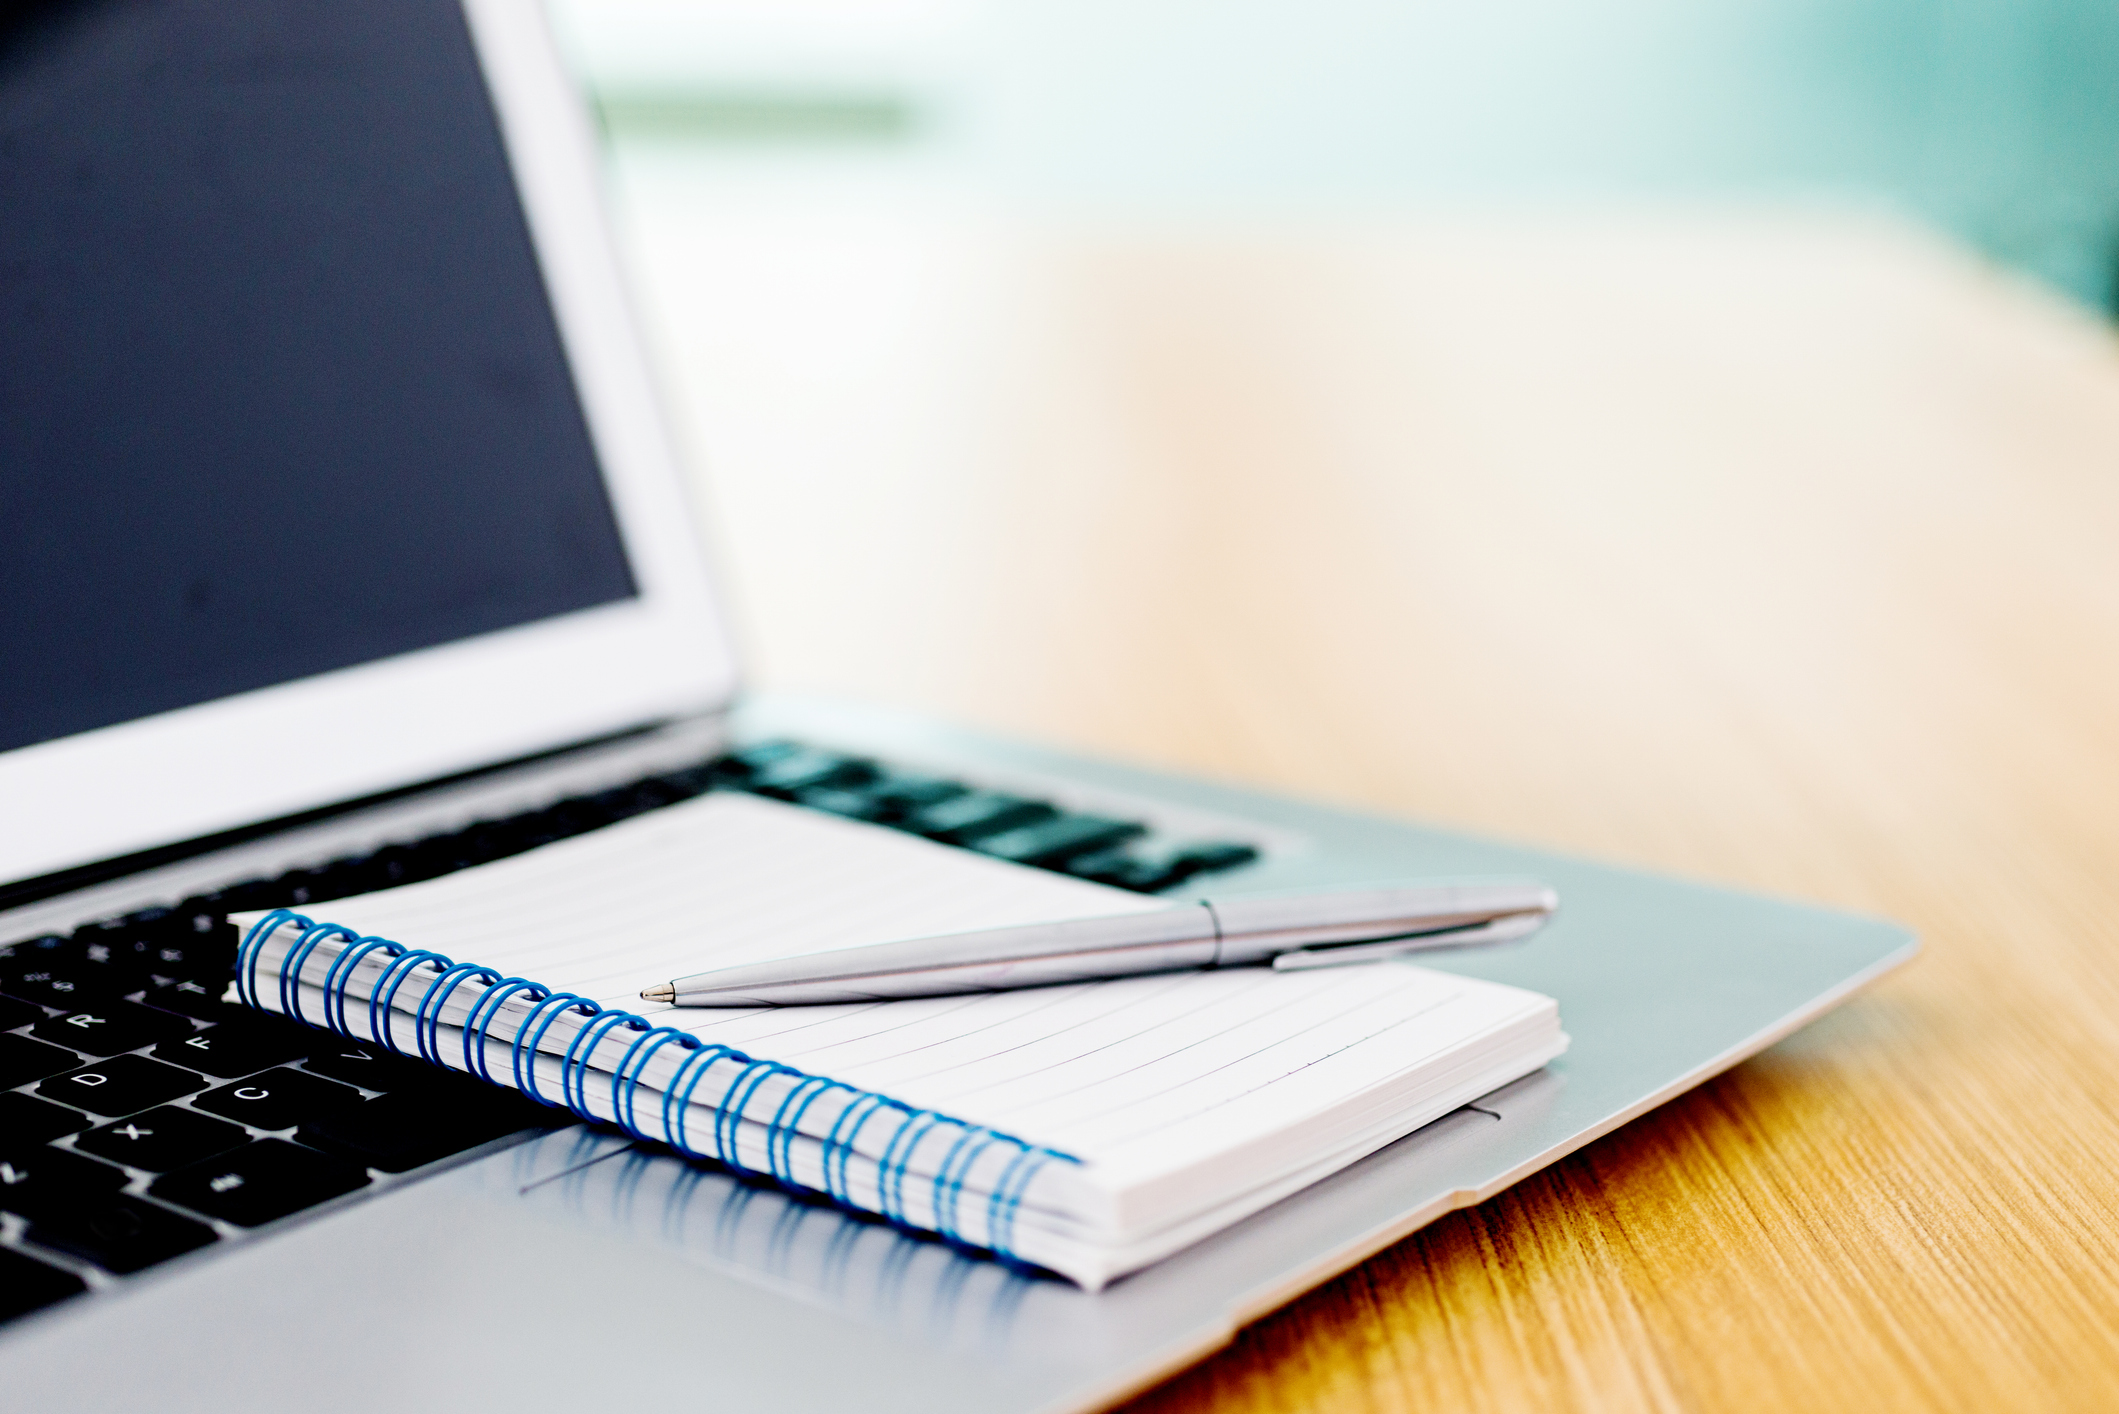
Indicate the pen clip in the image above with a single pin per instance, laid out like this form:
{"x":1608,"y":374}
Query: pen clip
{"x":1499,"y":930}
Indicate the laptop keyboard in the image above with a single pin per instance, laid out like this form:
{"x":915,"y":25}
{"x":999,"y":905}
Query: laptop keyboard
{"x":143,"y":1118}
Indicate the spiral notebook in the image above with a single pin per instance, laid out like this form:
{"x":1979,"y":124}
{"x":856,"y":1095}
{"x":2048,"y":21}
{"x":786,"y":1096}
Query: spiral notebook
{"x":1087,"y":1129}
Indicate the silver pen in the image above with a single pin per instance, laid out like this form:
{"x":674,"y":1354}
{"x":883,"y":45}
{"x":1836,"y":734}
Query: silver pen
{"x":1291,"y":931}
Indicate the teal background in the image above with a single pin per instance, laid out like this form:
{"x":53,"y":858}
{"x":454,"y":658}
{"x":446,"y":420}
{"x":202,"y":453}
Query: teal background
{"x":1996,"y":122}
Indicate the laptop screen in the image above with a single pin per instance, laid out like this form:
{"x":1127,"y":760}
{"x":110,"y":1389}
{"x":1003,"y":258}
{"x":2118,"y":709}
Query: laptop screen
{"x":280,"y":389}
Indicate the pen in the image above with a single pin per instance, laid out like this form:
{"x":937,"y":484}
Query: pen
{"x":1292,"y":931}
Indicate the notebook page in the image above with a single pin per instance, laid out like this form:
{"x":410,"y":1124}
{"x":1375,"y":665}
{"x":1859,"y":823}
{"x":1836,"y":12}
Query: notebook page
{"x":1140,"y":1077}
{"x":724,"y":879}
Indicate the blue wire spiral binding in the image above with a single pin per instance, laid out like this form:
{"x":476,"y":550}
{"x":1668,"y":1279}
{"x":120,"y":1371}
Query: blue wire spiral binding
{"x":625,"y":1087}
{"x":253,"y":946}
{"x":1007,"y":1197}
{"x":573,"y":1074}
{"x":475,"y":1027}
{"x":841,"y":1145}
{"x":949,"y":1186}
{"x":787,"y":1122}
{"x":426,"y":1019}
{"x":891,"y":1179}
{"x":382,"y":1002}
{"x":728,"y":1118}
{"x":551,"y":1008}
{"x":837,"y":1148}
{"x":335,"y":980}
{"x":291,"y":970}
{"x":698,"y":1063}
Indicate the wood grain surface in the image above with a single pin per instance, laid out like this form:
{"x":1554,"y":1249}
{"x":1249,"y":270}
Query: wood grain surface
{"x":1780,"y":550}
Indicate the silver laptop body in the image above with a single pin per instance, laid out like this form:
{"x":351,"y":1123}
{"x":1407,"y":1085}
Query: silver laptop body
{"x":564,"y":1265}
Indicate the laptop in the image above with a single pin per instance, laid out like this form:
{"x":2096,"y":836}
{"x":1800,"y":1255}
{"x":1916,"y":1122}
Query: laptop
{"x":344,"y":546}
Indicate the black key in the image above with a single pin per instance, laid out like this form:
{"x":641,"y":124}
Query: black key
{"x":1154,"y":872}
{"x":580,"y":814}
{"x":486,"y":841}
{"x":248,"y":896}
{"x":14,"y":1013}
{"x":48,"y":949}
{"x":157,"y":921}
{"x":68,"y":987}
{"x":620,"y":802}
{"x":300,"y":887}
{"x":527,"y":832}
{"x":33,"y":1176}
{"x":366,"y":1066}
{"x":386,"y":868}
{"x":27,"y":1285}
{"x":341,"y":878}
{"x":23,"y":1060}
{"x":119,"y":1086}
{"x":65,"y":972}
{"x":809,"y":769}
{"x":196,"y":999}
{"x":24,"y":1120}
{"x":278,"y":1099}
{"x":145,"y":922}
{"x":119,"y":1233}
{"x":207,"y":916}
{"x":202,"y":954}
{"x":902,"y":795}
{"x":854,"y":804}
{"x":118,"y":948}
{"x":162,"y":1139}
{"x":496,"y":839}
{"x":445,"y":854}
{"x":111,"y":971}
{"x":1056,"y":841}
{"x":237,"y":1046}
{"x":657,"y":791}
{"x":37,"y":1181}
{"x":202,"y":916}
{"x":437,"y":855}
{"x":1125,"y":870}
{"x":742,"y":764}
{"x":110,"y":1029}
{"x":207,"y":905}
{"x":976,"y":814}
{"x":673,"y":786}
{"x":260,"y":1182}
{"x":410,"y":1128}
{"x":1213,"y":857}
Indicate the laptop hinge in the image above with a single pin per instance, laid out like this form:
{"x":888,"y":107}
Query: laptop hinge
{"x":504,"y":787}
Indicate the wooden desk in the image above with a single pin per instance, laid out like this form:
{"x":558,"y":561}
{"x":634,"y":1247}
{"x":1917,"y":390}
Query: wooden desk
{"x":1778,"y":551}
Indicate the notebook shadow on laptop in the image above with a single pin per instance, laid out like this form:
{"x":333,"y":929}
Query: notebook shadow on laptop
{"x":915,"y":1287}
{"x":909,"y":1284}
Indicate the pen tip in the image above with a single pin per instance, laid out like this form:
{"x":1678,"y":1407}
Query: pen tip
{"x":663,"y":993}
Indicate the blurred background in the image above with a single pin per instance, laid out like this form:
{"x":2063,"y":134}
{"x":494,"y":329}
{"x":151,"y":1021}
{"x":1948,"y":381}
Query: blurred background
{"x":1194,"y":380}
{"x":1679,"y":432}
{"x":1997,"y":122}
